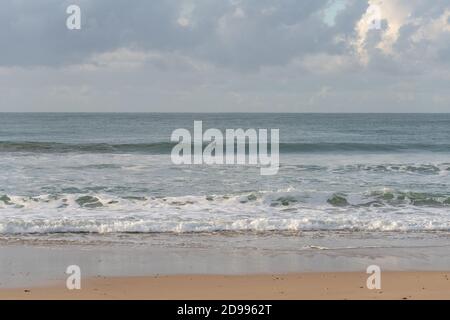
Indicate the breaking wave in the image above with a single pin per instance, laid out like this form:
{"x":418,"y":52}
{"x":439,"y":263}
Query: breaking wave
{"x":290,"y":210}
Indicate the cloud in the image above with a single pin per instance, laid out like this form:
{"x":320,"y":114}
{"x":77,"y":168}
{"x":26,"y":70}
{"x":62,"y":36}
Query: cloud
{"x":225,"y":55}
{"x":325,"y":63}
{"x":239,"y":34}
{"x":412,"y":35}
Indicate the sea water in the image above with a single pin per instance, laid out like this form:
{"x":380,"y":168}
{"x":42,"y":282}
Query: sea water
{"x":111,"y":174}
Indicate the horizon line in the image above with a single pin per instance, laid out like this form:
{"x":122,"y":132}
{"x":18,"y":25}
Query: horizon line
{"x":199,"y":112}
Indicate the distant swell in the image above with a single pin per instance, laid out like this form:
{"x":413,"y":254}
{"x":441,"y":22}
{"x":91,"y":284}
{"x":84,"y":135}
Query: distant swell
{"x":166,"y":147}
{"x":52,"y":147}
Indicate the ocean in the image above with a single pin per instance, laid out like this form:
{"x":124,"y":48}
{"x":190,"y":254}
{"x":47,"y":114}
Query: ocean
{"x":108,"y":175}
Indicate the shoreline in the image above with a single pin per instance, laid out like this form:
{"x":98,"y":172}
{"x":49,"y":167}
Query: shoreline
{"x":293,"y":286}
{"x":40,"y":263}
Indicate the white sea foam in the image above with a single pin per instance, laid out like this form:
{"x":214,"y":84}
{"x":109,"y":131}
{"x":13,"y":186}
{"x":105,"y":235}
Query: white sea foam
{"x":286,"y":210}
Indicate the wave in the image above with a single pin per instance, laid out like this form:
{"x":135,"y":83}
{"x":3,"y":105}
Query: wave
{"x":103,"y":225}
{"x":414,"y":168}
{"x":258,"y":225}
{"x":287,"y":210}
{"x":166,"y":147}
{"x":292,"y":198}
{"x":54,"y":147}
{"x":393,"y":198}
{"x":361,"y":147}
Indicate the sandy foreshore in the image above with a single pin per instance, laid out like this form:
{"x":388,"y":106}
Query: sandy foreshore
{"x":229,"y":267}
{"x":338,"y":285}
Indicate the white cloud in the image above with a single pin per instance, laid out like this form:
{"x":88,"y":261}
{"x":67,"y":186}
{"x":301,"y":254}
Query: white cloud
{"x":393,"y":13}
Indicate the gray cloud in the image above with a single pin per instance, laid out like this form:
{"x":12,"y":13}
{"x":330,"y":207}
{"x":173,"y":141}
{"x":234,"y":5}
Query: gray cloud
{"x":235,"y":55}
{"x":231,"y":33}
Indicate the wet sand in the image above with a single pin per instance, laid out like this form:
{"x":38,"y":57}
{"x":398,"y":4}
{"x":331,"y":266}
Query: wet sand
{"x":228,"y":267}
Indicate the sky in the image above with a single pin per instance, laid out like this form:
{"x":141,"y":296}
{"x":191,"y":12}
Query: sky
{"x":226,"y":56}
